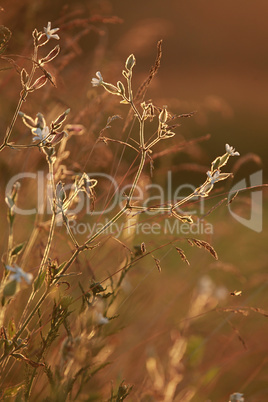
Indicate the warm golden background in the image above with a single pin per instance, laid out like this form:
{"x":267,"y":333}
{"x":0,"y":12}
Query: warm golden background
{"x":215,"y":62}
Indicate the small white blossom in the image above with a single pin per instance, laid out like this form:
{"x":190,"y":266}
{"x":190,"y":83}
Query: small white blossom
{"x":97,"y":81}
{"x":231,"y":151}
{"x":236,"y":397}
{"x":217,"y":176}
{"x":18,"y":274}
{"x":213,"y":178}
{"x":50,"y":33}
{"x":100,"y":319}
{"x":40,"y":133}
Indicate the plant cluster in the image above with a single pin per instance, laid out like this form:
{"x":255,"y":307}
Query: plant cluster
{"x":80,"y":357}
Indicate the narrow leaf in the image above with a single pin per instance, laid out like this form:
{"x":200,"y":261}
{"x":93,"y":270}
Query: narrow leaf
{"x":17,"y":249}
{"x":39,"y":280}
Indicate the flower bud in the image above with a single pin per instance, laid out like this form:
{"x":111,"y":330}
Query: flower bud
{"x":58,"y":122}
{"x":168,"y":134}
{"x":121,"y":88}
{"x":24,"y":77}
{"x":163,"y":116}
{"x":60,"y":193}
{"x":219,"y":162}
{"x":130,"y":63}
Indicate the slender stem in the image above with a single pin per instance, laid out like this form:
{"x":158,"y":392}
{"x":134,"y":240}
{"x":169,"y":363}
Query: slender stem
{"x":69,"y":263}
{"x":10,"y":243}
{"x":30,"y":316}
{"x":10,"y":128}
{"x":108,"y":224}
{"x":138,"y":174}
{"x":155,"y":141}
{"x":30,"y":243}
{"x":53,"y":220}
{"x":49,"y":240}
{"x":23,"y":96}
{"x":184,"y":200}
{"x":155,"y":209}
{"x":66,"y":223}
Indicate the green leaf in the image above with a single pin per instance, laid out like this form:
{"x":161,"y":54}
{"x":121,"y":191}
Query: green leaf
{"x":10,"y":288}
{"x":12,"y":391}
{"x":60,"y":267}
{"x":66,"y":301}
{"x":195,"y":350}
{"x":210,"y":375}
{"x":2,"y":342}
{"x":17,"y":249}
{"x":39,"y":280}
{"x":11,"y":328}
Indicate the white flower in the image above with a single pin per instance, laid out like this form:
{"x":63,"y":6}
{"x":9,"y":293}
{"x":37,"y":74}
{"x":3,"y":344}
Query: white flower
{"x":236,"y":397}
{"x":97,"y":81}
{"x":18,"y":274}
{"x":50,"y":33}
{"x":40,"y":133}
{"x":217,"y":176}
{"x":231,"y":151}
{"x":100,"y":319}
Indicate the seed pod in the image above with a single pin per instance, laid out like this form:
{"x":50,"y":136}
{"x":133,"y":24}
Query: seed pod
{"x":168,"y":134}
{"x":163,"y":116}
{"x":58,"y":137}
{"x":58,"y":122}
{"x":51,"y":55}
{"x":110,"y":88}
{"x":39,"y":83}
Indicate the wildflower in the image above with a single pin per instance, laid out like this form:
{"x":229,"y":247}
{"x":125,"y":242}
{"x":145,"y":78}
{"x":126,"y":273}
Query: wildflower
{"x":231,"y":151}
{"x":50,"y":33}
{"x":18,"y":273}
{"x":100,"y":319}
{"x":97,"y":81}
{"x":217,"y":176}
{"x":236,"y":397}
{"x":40,"y":133}
{"x":222,"y":160}
{"x":212,"y":178}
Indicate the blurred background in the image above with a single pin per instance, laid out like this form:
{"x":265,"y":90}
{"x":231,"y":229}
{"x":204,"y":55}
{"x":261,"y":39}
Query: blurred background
{"x":214,"y":58}
{"x":215,"y":64}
